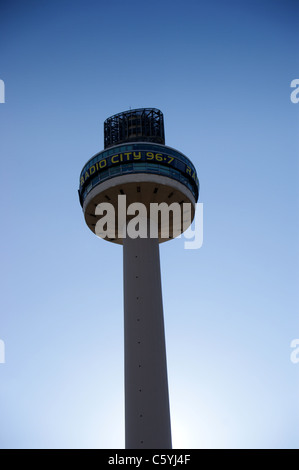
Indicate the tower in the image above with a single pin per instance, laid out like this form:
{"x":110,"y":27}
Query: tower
{"x":137,"y":167}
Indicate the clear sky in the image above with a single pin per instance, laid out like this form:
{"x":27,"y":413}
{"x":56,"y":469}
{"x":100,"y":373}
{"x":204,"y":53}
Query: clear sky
{"x":220,"y":71}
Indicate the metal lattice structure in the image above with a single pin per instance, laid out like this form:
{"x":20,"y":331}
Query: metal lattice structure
{"x":136,"y":125}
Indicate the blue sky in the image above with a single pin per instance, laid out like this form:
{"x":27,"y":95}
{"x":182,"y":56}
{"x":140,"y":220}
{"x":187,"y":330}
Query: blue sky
{"x":220,"y":72}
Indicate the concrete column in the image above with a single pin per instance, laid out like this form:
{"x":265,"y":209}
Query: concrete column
{"x":147,"y":415}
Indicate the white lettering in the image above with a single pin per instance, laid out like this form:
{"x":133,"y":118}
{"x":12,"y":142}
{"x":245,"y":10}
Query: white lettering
{"x":119,"y":460}
{"x":164,"y":210}
{"x":2,"y":352}
{"x":295,"y":93}
{"x":137,"y":227}
{"x":295,"y":353}
{"x":108,"y":219}
{"x":2,"y":92}
{"x":197,"y":233}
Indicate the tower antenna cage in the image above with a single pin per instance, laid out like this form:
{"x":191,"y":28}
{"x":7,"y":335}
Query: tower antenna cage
{"x":135,"y":125}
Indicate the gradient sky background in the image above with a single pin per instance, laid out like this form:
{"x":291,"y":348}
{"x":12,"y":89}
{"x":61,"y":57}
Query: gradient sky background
{"x":220,"y":71}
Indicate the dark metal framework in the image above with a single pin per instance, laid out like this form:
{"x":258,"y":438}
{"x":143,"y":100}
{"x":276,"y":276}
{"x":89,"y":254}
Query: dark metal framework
{"x":136,"y":125}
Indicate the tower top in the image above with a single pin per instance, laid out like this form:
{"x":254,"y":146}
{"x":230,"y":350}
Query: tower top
{"x":135,"y":125}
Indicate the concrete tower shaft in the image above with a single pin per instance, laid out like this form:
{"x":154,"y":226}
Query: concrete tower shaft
{"x":147,"y":415}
